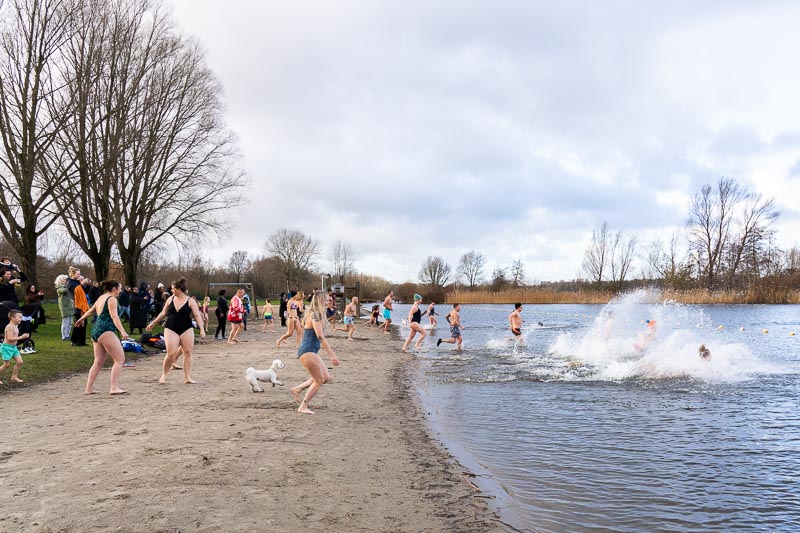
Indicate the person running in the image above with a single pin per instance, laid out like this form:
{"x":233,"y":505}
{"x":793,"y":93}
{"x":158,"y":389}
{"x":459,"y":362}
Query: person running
{"x":515,"y":320}
{"x":9,"y":348}
{"x":414,"y":318}
{"x":307,"y":352}
{"x":104,"y":337}
{"x":236,"y":314}
{"x":293,"y":310}
{"x":268,"y":317}
{"x":454,"y":318}
{"x":432,"y":315}
{"x":178,"y":331}
{"x":387,"y":311}
{"x":221,"y":313}
{"x":350,"y":318}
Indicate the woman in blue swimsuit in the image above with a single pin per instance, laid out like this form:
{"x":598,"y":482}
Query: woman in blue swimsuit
{"x":104,"y":337}
{"x":178,"y":330}
{"x":313,"y":339}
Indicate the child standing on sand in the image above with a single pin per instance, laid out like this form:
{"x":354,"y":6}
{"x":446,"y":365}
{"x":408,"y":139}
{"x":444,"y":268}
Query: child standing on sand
{"x":9,"y":347}
{"x":268,"y":317}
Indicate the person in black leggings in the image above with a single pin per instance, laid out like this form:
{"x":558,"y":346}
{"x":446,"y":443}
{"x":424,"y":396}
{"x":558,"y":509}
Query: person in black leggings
{"x":222,"y":314}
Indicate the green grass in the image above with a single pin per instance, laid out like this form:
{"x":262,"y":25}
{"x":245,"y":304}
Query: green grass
{"x":55,"y":358}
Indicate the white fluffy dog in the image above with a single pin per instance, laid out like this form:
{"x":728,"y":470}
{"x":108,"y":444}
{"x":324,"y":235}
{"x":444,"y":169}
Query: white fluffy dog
{"x":253,"y":376}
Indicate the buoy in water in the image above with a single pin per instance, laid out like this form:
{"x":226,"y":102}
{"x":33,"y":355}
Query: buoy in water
{"x":765,"y":330}
{"x":791,"y":333}
{"x":720,"y":327}
{"x":741,"y":328}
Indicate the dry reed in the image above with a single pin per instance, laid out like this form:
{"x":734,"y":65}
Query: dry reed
{"x":756,"y":295}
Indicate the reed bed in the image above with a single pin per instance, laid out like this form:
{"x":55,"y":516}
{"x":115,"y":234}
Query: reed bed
{"x":756,"y":295}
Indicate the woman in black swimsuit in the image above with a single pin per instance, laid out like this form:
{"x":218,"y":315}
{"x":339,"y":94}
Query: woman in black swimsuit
{"x":414,"y":318}
{"x":178,"y":330}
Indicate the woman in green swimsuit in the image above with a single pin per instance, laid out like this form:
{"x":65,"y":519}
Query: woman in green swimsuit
{"x":104,"y":338}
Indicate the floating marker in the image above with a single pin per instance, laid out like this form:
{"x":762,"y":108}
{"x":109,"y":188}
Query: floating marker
{"x":741,"y":328}
{"x":720,"y":327}
{"x":791,"y":333}
{"x":765,"y":330}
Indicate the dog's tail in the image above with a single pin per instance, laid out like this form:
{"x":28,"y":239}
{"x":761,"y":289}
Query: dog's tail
{"x":248,"y":370}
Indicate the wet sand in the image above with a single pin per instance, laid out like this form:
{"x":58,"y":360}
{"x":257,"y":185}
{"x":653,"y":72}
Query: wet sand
{"x":217,"y":457}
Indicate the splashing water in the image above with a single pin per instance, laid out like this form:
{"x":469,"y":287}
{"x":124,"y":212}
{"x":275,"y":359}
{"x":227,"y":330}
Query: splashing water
{"x":638,"y":335}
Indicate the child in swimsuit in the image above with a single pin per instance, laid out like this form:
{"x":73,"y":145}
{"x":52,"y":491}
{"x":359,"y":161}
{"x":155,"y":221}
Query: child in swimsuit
{"x":9,"y":348}
{"x":268,"y":317}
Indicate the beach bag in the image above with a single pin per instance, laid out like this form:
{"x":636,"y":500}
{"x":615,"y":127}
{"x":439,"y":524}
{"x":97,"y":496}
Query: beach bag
{"x":132,"y":346}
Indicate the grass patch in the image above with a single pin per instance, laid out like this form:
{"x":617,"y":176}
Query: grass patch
{"x":55,"y":358}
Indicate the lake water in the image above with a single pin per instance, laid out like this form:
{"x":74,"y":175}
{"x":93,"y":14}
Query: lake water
{"x":598,"y":422}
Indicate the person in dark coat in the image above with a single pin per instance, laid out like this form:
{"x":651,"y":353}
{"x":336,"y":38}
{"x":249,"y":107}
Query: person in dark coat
{"x":282,"y":309}
{"x":138,"y":311}
{"x":8,"y":285}
{"x":222,"y":314}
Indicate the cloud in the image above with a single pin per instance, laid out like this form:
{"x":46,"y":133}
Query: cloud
{"x":515,"y":128}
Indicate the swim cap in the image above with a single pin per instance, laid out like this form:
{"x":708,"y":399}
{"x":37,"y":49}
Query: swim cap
{"x":417,"y":297}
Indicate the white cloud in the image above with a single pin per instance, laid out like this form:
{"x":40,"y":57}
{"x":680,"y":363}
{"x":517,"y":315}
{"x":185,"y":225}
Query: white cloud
{"x":514,"y":128}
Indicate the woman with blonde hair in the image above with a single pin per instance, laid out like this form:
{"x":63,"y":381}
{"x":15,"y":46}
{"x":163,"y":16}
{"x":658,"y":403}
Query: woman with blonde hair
{"x":294,"y":310}
{"x":313,"y":339}
{"x":65,"y":306}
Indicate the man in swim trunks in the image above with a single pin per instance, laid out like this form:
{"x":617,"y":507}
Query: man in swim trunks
{"x":515,"y":320}
{"x":387,"y":311}
{"x":454,"y":317}
{"x":350,"y":318}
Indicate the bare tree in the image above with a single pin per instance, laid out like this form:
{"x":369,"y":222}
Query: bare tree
{"x":623,"y":248}
{"x":99,"y":62}
{"x":178,"y":172}
{"x":595,"y":258}
{"x":239,"y":263}
{"x":752,"y":239}
{"x":33,"y":34}
{"x":341,"y":257}
{"x":435,"y":272}
{"x":296,"y":252}
{"x":470,"y":267}
{"x":709,"y":226}
{"x":517,"y":273}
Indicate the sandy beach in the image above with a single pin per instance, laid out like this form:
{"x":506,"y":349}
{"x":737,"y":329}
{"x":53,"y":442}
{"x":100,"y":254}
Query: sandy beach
{"x":218,"y":457}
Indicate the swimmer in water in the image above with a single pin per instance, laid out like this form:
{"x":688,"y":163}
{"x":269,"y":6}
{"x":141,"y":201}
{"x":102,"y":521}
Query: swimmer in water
{"x":704,"y":353}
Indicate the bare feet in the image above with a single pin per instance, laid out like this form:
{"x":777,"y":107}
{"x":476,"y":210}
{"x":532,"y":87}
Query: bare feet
{"x":162,"y":379}
{"x":305,"y":410}
{"x":115,"y":392}
{"x":174,"y":367}
{"x":189,"y":381}
{"x":349,"y":338}
{"x":89,"y":392}
{"x":14,"y":378}
{"x":417,"y":346}
{"x":296,"y":394}
{"x":403,"y":349}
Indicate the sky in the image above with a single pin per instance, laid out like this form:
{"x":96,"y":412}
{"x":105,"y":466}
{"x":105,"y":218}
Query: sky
{"x":514,"y":128}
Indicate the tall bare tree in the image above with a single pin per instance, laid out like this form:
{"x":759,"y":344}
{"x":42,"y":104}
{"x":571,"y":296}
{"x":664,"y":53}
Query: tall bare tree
{"x":752,"y":238}
{"x":709,"y":226}
{"x":595,"y":259}
{"x":239,"y":263}
{"x":100,"y":64}
{"x":33,"y":34}
{"x":178,"y":173}
{"x":296,"y":252}
{"x":435,"y":272}
{"x":623,"y":248}
{"x":470,"y":268}
{"x":341,"y":257}
{"x":517,"y":273}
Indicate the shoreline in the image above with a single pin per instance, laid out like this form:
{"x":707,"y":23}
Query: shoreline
{"x":216,"y":456}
